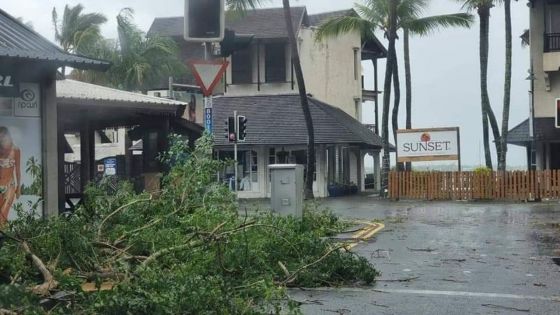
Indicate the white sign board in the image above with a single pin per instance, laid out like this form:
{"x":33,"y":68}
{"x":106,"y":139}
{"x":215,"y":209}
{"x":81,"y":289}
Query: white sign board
{"x":436,"y":144}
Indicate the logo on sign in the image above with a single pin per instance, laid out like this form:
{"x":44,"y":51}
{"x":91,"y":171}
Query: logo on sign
{"x":28,"y":105}
{"x":6,"y":81}
{"x":426,"y":137}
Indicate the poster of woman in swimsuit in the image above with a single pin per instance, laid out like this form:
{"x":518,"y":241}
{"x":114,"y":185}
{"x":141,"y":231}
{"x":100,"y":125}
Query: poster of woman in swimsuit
{"x":21,"y":183}
{"x":10,"y":173}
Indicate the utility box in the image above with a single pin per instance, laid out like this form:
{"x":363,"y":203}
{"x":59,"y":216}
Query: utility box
{"x":287,"y":189}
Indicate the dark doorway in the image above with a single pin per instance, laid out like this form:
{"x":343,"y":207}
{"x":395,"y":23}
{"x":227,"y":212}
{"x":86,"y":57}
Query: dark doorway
{"x":555,"y":156}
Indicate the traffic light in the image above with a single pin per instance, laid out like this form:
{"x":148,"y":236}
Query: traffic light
{"x":241,"y":128}
{"x":204,"y":20}
{"x":230,"y":129}
{"x":233,"y":42}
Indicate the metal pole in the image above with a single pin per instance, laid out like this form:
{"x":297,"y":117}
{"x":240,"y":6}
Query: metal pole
{"x":235,"y":149}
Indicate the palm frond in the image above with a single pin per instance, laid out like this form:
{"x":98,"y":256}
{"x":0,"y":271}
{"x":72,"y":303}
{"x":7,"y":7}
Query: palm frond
{"x":427,"y":25}
{"x":343,"y":25}
{"x":373,"y":15}
{"x":243,"y":5}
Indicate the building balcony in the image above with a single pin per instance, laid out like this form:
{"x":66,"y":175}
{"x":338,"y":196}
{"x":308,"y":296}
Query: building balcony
{"x":369,"y":95}
{"x":551,"y":56}
{"x":551,"y":42}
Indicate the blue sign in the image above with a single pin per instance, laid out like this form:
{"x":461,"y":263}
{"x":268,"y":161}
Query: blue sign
{"x":110,"y":166}
{"x":208,"y":119}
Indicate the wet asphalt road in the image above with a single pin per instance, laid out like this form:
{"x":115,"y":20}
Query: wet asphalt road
{"x":457,"y":258}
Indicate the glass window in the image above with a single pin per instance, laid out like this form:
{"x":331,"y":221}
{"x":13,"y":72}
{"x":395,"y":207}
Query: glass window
{"x":242,"y":67}
{"x":275,"y":62}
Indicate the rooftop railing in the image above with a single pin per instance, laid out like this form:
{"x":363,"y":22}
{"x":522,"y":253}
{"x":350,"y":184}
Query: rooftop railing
{"x":551,"y":42}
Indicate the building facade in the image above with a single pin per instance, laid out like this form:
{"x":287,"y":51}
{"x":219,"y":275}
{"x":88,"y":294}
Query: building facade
{"x":540,"y":133}
{"x":261,"y":77}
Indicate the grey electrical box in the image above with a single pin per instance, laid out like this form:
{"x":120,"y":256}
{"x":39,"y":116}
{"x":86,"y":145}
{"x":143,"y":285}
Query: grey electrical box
{"x":287,"y":189}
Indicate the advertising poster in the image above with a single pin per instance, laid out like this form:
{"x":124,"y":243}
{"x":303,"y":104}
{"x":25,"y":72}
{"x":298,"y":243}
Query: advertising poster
{"x":21,"y":184}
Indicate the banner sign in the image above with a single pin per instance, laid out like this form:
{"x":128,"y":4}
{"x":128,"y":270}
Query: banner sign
{"x":436,"y":144}
{"x":21,"y":179}
{"x":8,"y":85}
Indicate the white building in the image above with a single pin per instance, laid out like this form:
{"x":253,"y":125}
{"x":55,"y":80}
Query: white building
{"x":260,"y":84}
{"x":543,"y":143}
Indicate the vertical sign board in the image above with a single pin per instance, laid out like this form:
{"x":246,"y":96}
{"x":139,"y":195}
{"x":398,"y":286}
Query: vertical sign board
{"x":110,"y":167}
{"x":21,"y":180}
{"x":208,"y":119}
{"x":435,"y":144}
{"x":557,"y":111}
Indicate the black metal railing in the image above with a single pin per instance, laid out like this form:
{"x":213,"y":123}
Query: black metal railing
{"x":551,"y":42}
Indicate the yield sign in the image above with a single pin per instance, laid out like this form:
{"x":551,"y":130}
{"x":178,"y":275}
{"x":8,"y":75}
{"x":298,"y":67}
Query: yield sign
{"x":208,"y":74}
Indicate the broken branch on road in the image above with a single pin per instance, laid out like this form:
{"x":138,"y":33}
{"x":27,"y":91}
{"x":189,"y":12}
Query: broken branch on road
{"x":429,"y":250}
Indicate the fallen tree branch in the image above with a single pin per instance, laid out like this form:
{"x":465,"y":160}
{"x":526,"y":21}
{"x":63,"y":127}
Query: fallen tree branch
{"x":49,"y":281}
{"x":293,"y":276}
{"x":506,"y":308}
{"x":7,"y":312}
{"x":429,"y":250}
{"x":398,"y":280}
{"x":100,"y":229}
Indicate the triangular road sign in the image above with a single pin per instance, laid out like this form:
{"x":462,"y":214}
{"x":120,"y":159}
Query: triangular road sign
{"x":208,"y":74}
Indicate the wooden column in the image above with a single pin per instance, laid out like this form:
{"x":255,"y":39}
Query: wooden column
{"x":50,"y":146}
{"x":87,"y":154}
{"x":61,"y":181}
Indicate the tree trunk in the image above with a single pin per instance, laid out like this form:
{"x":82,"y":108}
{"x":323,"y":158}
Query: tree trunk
{"x":310,"y":171}
{"x":396,"y":102}
{"x":502,"y":163}
{"x":484,"y":14}
{"x":408,"y":82}
{"x":391,"y":35}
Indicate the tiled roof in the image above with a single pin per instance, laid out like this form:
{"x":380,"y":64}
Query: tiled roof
{"x":263,"y":23}
{"x":19,"y":41}
{"x":278,"y":120}
{"x":545,"y":129}
{"x":76,"y":90}
{"x":318,"y":19}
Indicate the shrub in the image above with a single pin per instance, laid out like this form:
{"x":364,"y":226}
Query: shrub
{"x":185,"y":251}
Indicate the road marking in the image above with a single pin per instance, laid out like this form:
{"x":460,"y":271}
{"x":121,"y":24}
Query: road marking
{"x":444,"y":293}
{"x":365,"y":234}
{"x":473,"y":294}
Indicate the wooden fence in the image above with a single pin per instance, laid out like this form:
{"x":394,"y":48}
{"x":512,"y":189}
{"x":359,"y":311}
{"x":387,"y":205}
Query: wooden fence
{"x":504,"y":186}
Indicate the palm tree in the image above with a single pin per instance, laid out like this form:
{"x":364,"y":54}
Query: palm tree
{"x":482,"y":8}
{"x":422,"y":26}
{"x":374,"y":15}
{"x":243,"y":5}
{"x":138,"y":61}
{"x":77,"y":31}
{"x":507,"y":89}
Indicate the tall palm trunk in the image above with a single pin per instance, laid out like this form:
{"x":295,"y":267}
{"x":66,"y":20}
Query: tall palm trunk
{"x":408,"y":84}
{"x":391,"y":36}
{"x":304,"y":101}
{"x":507,"y":90}
{"x":396,"y":101}
{"x":484,"y":14}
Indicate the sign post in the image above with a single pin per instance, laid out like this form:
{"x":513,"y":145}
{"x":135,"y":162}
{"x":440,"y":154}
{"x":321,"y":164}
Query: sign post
{"x":208,"y":74}
{"x":434,"y":144}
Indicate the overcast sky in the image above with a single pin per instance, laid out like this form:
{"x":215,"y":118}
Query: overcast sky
{"x":445,"y":65}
